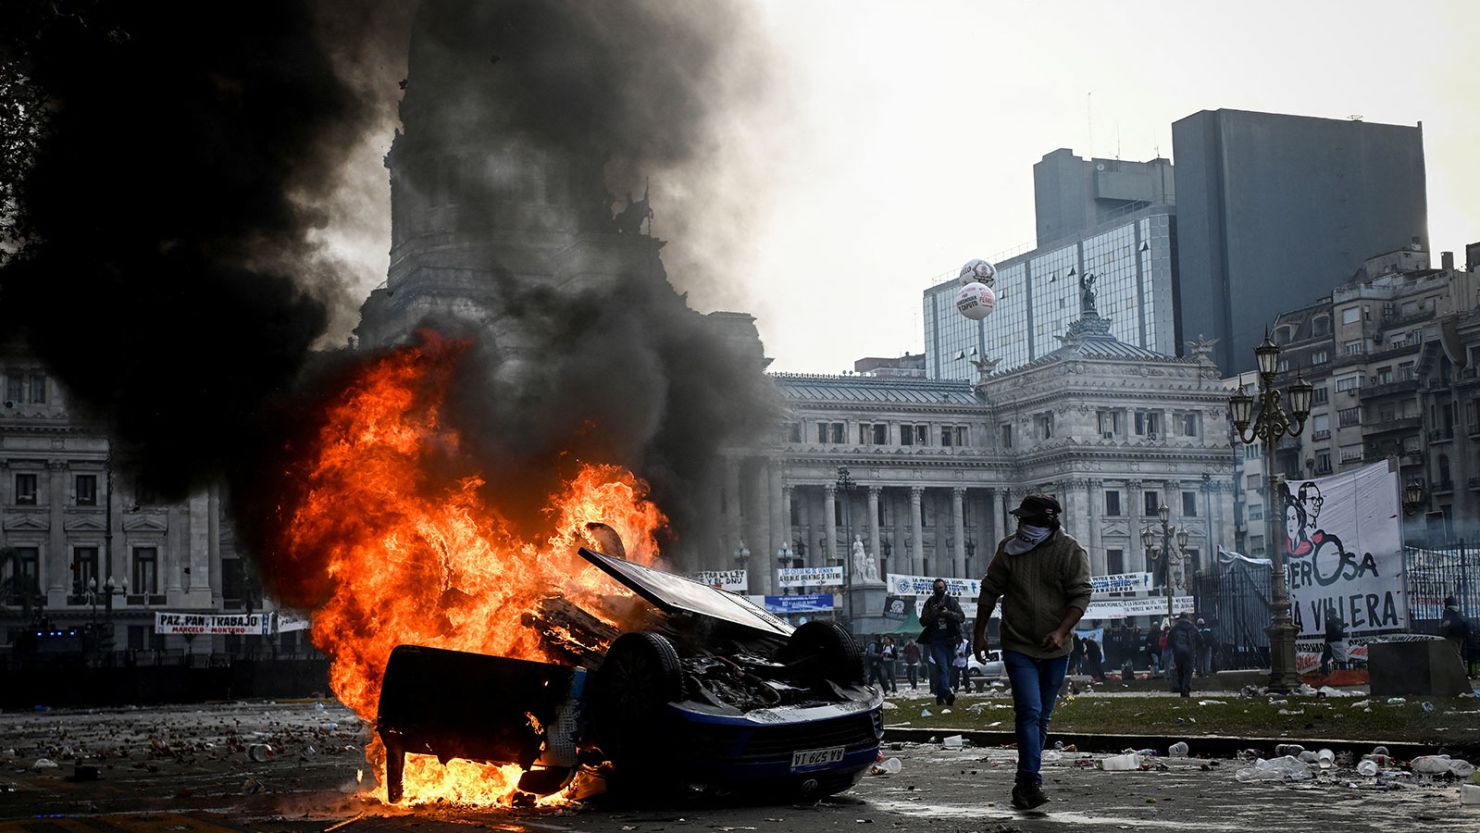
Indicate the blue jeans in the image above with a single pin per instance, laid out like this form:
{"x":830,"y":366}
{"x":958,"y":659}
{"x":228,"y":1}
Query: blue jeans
{"x":1035,"y":686}
{"x":940,"y":668}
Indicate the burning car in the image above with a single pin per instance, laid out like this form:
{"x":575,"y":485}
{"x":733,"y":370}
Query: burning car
{"x":712,"y":694}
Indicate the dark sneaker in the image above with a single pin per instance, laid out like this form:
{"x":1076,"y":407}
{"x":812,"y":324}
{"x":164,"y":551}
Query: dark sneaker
{"x":951,"y":698}
{"x":1028,"y":796}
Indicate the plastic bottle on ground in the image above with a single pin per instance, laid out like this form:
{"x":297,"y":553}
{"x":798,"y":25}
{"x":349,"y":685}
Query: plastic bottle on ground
{"x":1178,"y":750}
{"x":1367,"y":768}
{"x":1431,"y":764}
{"x":1461,"y":769}
{"x":260,"y":752}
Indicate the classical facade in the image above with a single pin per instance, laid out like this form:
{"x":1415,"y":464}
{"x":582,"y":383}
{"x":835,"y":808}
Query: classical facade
{"x":1393,"y":358}
{"x":1113,"y":430}
{"x":86,"y":544}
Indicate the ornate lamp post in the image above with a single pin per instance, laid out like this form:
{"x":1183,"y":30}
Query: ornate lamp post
{"x":783,"y":560}
{"x":742,"y":555}
{"x":1268,"y":426}
{"x":1171,"y":546}
{"x":845,"y":484}
{"x":1413,"y":496}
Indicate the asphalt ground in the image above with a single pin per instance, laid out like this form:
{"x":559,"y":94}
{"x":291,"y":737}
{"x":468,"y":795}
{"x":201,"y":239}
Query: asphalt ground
{"x":199,"y":778}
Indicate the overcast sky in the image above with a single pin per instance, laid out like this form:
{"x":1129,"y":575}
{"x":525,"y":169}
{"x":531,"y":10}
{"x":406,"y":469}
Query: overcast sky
{"x":897,"y":139}
{"x":915,"y":127}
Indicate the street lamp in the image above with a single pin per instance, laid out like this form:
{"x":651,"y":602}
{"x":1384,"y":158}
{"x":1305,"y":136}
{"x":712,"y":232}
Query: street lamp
{"x":742,"y":555}
{"x":1413,"y":496}
{"x":1172,"y":545}
{"x":845,"y":485}
{"x":783,"y":560}
{"x":1270,"y":425}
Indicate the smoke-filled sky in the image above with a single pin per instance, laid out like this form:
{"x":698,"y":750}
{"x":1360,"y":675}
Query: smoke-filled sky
{"x":866,"y":149}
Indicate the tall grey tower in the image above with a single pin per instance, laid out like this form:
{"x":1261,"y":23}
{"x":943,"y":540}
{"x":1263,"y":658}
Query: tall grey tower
{"x":1274,"y":211}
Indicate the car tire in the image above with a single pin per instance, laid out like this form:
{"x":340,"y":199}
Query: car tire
{"x":824,"y":651}
{"x":639,"y":675}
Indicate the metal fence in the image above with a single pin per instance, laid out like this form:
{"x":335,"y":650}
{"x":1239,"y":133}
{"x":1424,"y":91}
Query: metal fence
{"x":1437,"y":574}
{"x":1235,"y":601}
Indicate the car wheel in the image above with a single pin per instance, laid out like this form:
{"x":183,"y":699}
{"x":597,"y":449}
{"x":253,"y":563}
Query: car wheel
{"x":824,"y":651}
{"x":639,"y":675}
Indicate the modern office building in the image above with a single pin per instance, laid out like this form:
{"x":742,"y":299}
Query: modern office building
{"x":1275,"y":211}
{"x":1131,"y":256}
{"x":1071,"y":195}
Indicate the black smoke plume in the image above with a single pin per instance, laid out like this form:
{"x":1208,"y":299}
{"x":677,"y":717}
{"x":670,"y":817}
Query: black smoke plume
{"x":173,"y":285}
{"x":601,"y":98}
{"x":170,"y":206}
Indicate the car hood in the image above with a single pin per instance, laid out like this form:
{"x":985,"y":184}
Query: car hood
{"x":675,"y":594}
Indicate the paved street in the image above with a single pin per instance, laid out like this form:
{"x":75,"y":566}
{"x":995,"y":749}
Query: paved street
{"x":188,"y":770}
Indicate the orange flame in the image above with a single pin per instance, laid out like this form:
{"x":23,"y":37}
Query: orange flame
{"x":415,"y":555}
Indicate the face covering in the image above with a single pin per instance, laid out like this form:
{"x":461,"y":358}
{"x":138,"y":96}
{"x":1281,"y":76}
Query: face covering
{"x":1027,"y":538}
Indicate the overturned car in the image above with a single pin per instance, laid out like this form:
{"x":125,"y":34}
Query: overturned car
{"x":714,"y":694}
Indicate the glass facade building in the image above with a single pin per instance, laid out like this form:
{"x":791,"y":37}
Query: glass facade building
{"x":1132,"y":259}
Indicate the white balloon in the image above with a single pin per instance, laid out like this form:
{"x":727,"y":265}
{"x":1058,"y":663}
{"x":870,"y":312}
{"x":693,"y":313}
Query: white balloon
{"x":976,"y":300}
{"x":978,"y":271}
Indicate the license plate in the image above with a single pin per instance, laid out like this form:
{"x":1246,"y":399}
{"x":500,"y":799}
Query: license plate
{"x":804,"y":759}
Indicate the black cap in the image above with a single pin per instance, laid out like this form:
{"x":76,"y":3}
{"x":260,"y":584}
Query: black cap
{"x":1038,"y":506}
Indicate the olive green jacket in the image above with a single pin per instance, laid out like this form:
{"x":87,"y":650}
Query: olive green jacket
{"x":1037,"y":588}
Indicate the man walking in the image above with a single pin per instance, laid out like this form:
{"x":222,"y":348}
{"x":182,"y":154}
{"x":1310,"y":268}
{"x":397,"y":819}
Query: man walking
{"x":1182,"y":639}
{"x":888,"y":655}
{"x":1042,"y":575}
{"x":942,"y":618}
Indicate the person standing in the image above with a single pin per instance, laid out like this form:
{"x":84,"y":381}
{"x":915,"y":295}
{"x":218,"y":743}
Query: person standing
{"x":1093,"y":660}
{"x":959,"y":663}
{"x":1166,"y":648}
{"x":891,"y":671}
{"x":873,"y":658}
{"x":1182,"y":639}
{"x":1455,"y":628}
{"x":912,"y":663}
{"x":1153,"y":650}
{"x":1076,"y":656}
{"x":1334,"y":651}
{"x":1042,"y":576}
{"x":1206,"y":639}
{"x":942,"y":618}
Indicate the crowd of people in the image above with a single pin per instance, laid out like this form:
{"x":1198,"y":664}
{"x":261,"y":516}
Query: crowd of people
{"x":1177,"y":649}
{"x":1041,"y":576}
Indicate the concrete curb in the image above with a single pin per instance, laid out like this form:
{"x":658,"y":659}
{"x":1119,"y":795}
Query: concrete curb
{"x":1209,"y":746}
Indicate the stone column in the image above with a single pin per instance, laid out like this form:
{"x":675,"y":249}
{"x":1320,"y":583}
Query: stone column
{"x":215,"y":546}
{"x":788,"y":534}
{"x":733,"y":529}
{"x":780,"y":521}
{"x":173,"y":557}
{"x":1094,"y":489}
{"x":762,"y":548}
{"x":198,"y":582}
{"x":917,"y":535}
{"x":1005,"y":505}
{"x":1134,"y":503}
{"x":958,"y":529}
{"x":830,"y":521}
{"x":873,"y":528}
{"x":899,"y":552}
{"x":58,"y":559}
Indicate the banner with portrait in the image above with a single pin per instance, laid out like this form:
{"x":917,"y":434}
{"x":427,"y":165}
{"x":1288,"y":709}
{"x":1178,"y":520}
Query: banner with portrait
{"x":1344,"y":552}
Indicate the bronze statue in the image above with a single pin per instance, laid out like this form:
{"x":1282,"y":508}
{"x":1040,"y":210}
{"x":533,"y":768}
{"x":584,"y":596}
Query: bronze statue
{"x":1087,"y":295}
